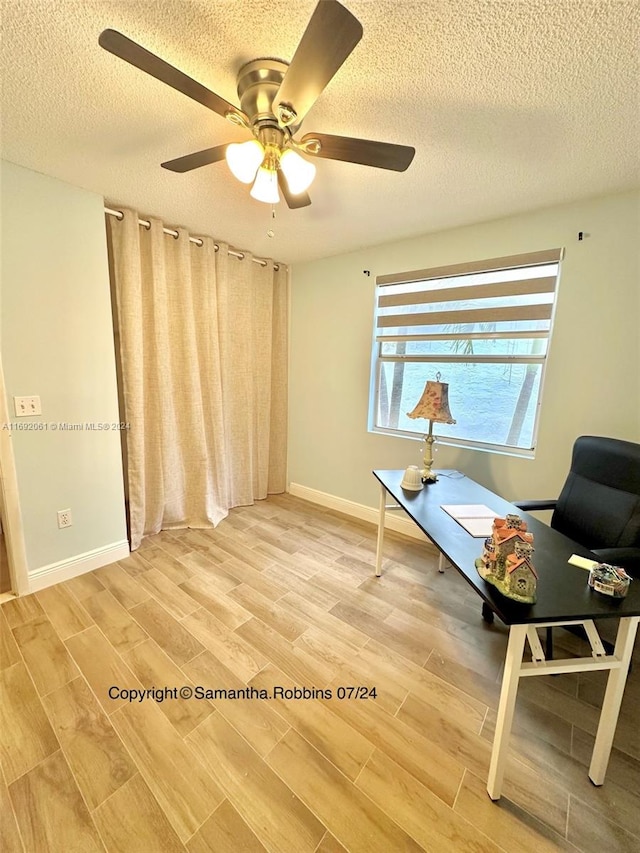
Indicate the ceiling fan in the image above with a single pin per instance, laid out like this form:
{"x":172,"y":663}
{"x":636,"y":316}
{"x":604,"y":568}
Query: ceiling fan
{"x":275,"y":96}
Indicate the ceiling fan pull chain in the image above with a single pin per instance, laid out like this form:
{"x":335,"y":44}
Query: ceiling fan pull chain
{"x":270,"y":231}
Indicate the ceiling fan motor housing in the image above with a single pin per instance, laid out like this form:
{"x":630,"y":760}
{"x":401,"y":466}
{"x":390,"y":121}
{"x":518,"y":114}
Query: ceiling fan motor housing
{"x":258,"y":85}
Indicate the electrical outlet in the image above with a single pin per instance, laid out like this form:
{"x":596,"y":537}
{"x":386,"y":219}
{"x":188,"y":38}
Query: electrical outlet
{"x":64,"y":518}
{"x":27,"y":406}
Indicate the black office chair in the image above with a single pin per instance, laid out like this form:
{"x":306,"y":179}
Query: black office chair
{"x":599,"y":505}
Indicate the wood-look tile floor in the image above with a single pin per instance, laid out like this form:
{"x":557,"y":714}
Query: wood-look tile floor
{"x":282,"y":594}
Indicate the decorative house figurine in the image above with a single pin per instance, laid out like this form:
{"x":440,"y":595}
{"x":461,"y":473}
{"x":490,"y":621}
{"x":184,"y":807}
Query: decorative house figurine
{"x":506,"y":559}
{"x":520,"y":578}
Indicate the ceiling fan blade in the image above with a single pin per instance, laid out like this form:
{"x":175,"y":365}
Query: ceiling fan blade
{"x":381,"y":155}
{"x":194,"y":161}
{"x":293,"y":201}
{"x":331,"y":35}
{"x":143,"y":59}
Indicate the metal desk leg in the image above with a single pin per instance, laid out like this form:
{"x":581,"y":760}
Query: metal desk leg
{"x":383,"y":501}
{"x":441,"y":562}
{"x":510,"y":678}
{"x":613,"y":699}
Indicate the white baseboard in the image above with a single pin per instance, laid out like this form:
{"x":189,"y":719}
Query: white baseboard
{"x":393,"y":520}
{"x":78,"y":565}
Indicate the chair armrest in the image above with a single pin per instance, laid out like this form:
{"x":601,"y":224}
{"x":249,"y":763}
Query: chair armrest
{"x":530,"y":506}
{"x":627,"y":558}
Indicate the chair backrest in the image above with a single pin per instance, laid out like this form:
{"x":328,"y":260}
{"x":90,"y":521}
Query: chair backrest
{"x":599,"y":505}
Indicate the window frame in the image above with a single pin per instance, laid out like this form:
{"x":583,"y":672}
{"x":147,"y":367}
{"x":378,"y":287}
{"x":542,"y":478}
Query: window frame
{"x":505,"y":264}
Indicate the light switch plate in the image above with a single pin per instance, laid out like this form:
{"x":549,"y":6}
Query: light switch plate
{"x":27,"y":406}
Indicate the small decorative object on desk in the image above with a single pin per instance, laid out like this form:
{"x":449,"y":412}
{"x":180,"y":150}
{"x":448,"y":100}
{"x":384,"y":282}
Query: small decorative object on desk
{"x":412,"y":481}
{"x":506,"y":560}
{"x":609,"y":580}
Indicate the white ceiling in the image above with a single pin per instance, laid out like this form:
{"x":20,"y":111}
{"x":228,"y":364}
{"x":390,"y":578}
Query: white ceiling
{"x":510,"y":105}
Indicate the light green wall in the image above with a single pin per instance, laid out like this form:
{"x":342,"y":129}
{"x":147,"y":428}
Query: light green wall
{"x":57,"y":341}
{"x":592,"y":383}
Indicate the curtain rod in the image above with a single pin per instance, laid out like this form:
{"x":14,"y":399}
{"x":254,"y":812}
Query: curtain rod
{"x":197,"y":240}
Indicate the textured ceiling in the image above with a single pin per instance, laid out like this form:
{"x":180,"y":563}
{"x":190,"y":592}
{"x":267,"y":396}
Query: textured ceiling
{"x":510,"y":105}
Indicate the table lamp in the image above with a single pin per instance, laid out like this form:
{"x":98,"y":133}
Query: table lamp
{"x":433,"y":406}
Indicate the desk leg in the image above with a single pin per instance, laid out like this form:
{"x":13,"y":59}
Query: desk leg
{"x":510,"y":678}
{"x":612,"y":700}
{"x":383,"y":502}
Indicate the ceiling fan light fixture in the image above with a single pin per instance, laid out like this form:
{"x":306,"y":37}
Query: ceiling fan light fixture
{"x":265,"y":187}
{"x":243,"y":159}
{"x":298,"y":171}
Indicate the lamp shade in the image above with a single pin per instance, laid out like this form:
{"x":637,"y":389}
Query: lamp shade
{"x":433,"y":405}
{"x":298,"y":171}
{"x":265,"y":187}
{"x":243,"y":159}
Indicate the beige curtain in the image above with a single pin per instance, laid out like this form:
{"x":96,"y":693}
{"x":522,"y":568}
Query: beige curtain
{"x":202,"y":341}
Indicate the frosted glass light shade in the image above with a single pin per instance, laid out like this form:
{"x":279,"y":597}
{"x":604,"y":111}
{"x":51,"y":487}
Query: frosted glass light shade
{"x":265,"y":187}
{"x":298,"y":171}
{"x":243,"y":159}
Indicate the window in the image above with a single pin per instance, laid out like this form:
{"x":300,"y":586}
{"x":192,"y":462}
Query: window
{"x":485,"y":327}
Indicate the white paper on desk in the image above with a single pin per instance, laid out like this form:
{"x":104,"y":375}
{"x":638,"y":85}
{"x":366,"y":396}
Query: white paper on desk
{"x":469,"y":511}
{"x":477,"y":519}
{"x":478,"y":527}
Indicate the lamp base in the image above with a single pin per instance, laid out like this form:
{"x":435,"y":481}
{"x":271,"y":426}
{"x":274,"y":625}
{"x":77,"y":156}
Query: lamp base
{"x":427,"y":474}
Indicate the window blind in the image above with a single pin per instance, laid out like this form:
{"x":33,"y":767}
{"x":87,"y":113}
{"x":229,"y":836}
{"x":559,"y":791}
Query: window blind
{"x":531,"y":259}
{"x":510,"y":297}
{"x":485,"y":328}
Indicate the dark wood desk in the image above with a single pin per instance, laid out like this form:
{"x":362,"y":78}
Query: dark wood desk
{"x":563,"y":598}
